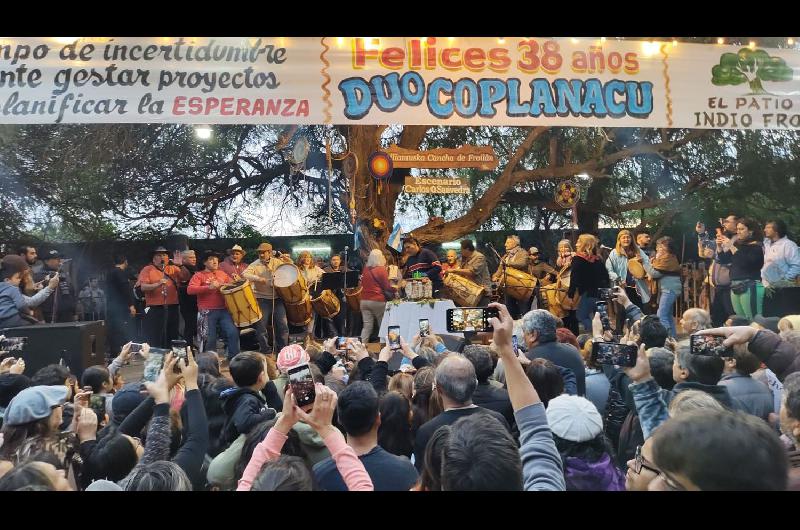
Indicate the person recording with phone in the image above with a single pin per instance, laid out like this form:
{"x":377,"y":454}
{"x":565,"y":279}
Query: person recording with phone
{"x":745,"y":256}
{"x":12,"y":301}
{"x":719,"y":276}
{"x":159,"y":281}
{"x":62,"y":305}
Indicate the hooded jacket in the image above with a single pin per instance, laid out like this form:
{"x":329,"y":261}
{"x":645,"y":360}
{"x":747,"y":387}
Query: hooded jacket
{"x":600,"y":475}
{"x":753,"y":395}
{"x":245,"y":408}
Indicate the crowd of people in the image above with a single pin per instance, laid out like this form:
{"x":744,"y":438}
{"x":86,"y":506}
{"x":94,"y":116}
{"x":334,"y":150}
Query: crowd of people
{"x":485,"y":413}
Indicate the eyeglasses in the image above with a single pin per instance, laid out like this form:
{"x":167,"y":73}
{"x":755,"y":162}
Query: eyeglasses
{"x":641,"y":462}
{"x":671,"y":483}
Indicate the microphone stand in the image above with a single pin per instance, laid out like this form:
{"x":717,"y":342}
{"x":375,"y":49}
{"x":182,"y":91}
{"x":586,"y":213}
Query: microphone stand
{"x":503,"y":265}
{"x":346,"y":308}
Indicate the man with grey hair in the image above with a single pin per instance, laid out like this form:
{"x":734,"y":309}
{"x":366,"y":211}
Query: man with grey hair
{"x":515,"y":257}
{"x":188,"y":302}
{"x":486,"y":395}
{"x":455,"y":382}
{"x":539,"y":329}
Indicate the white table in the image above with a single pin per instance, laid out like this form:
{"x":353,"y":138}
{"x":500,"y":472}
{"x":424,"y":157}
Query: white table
{"x":407,"y":315}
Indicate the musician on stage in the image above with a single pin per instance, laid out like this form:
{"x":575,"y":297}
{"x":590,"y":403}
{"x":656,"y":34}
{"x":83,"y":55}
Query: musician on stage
{"x":544,"y":273}
{"x":260,"y":274}
{"x":450,"y":263}
{"x":474,"y":268}
{"x":159,"y":281}
{"x":625,"y":260}
{"x":62,"y":304}
{"x":517,"y":258}
{"x":424,"y":261}
{"x":188,"y":302}
{"x":312,"y":274}
{"x":121,"y":306}
{"x":234,"y":265}
{"x":12,"y":301}
{"x":563,"y":264}
{"x":335,"y":326}
{"x":212,"y":311}
{"x":643,"y":239}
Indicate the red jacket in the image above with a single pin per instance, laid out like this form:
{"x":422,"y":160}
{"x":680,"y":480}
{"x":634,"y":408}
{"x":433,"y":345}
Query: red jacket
{"x":208,"y":298}
{"x":230,"y":268}
{"x":373,"y":282}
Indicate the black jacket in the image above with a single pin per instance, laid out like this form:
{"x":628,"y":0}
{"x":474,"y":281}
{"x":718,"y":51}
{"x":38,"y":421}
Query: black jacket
{"x":585,"y":277}
{"x":493,"y":398}
{"x":565,"y":356}
{"x":245,"y":408}
{"x":210,"y":389}
{"x":746,"y":264}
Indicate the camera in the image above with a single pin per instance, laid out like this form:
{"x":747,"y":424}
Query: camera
{"x":709,"y":345}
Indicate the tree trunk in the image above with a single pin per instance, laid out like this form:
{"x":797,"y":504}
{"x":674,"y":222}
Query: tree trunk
{"x":589,"y":214}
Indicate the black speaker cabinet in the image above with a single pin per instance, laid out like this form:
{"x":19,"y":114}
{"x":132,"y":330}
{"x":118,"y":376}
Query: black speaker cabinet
{"x":78,"y":344}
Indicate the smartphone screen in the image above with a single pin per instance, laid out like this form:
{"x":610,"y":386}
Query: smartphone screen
{"x":341,"y":343}
{"x":710,"y":345}
{"x":136,"y":347}
{"x":605,"y":293}
{"x":302,"y":385}
{"x":179,"y":348}
{"x":602,"y":308}
{"x":98,"y":405}
{"x":155,"y":361}
{"x":394,"y":337}
{"x":424,"y":327}
{"x":515,"y":343}
{"x":614,"y":354}
{"x":475,"y":319}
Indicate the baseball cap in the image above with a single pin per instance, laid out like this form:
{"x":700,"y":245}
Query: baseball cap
{"x":291,"y":356}
{"x":770,"y":323}
{"x":574,"y":418}
{"x":533,"y":250}
{"x":53,"y":254}
{"x":236,"y":247}
{"x":34,"y":403}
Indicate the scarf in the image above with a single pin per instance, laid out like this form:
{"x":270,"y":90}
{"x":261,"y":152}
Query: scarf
{"x":667,"y":264}
{"x":591,"y":258}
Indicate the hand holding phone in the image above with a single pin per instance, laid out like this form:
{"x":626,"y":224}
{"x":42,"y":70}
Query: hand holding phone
{"x":602,"y":310}
{"x":393,"y":337}
{"x":424,"y":327}
{"x":302,"y":383}
{"x":612,"y":353}
{"x":709,"y":345}
{"x":474,"y":319}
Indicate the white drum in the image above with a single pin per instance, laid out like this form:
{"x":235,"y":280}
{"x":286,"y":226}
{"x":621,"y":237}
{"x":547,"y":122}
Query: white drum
{"x":289,"y":283}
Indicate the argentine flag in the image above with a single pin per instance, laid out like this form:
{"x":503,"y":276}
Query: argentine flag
{"x":395,"y":239}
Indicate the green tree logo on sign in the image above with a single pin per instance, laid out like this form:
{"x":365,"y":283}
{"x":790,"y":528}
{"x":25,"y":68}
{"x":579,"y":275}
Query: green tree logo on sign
{"x":751,"y":66}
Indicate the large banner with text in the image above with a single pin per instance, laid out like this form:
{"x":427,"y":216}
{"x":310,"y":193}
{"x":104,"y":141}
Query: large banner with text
{"x":507,"y":81}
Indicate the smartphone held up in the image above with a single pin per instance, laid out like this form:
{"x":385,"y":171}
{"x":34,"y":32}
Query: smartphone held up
{"x":302,"y":383}
{"x":475,"y":319}
{"x":613,"y":353}
{"x":709,"y":345}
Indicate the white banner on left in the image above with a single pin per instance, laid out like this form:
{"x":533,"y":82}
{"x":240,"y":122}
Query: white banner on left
{"x":160,"y":79}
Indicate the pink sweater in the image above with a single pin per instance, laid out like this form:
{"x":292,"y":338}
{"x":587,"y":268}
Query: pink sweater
{"x":350,"y":467}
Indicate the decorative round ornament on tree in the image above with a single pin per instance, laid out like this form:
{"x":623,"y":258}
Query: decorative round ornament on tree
{"x":380,"y":167}
{"x":567,"y":194}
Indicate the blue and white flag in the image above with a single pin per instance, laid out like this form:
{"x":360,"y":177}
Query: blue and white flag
{"x":396,"y":238}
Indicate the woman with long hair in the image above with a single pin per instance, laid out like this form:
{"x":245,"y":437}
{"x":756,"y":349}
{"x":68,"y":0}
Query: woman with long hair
{"x":667,"y":270}
{"x":375,"y":292}
{"x":563,"y":264}
{"x":588,"y":274}
{"x":627,"y":266}
{"x":312,"y":274}
{"x":746,"y":259}
{"x":426,"y":403}
{"x":394,"y":432}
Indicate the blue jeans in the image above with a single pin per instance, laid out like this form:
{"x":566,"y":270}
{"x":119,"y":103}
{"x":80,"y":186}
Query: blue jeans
{"x":281,"y":337}
{"x":230,"y":332}
{"x":586,"y":310}
{"x":665,"y":306}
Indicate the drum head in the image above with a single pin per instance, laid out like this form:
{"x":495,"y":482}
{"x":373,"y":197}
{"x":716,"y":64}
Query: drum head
{"x":285,"y":275}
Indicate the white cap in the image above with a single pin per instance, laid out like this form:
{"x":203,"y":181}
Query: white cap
{"x":574,"y":418}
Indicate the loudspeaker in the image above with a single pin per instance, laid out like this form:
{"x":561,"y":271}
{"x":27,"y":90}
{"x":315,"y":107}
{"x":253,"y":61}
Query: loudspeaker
{"x":78,"y":345}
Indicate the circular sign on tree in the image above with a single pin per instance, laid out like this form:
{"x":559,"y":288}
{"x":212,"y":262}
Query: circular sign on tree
{"x":567,"y":194}
{"x":380,"y":165}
